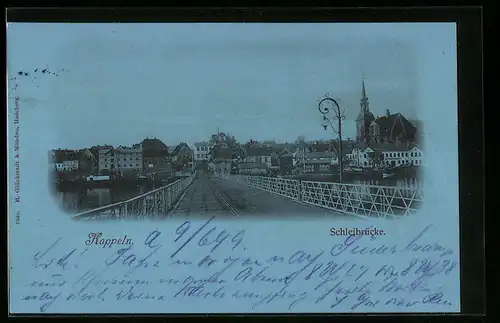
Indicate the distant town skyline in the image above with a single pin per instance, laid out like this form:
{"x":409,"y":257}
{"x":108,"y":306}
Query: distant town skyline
{"x":180,"y":82}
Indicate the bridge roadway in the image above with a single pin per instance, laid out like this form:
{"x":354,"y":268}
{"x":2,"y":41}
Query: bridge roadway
{"x":228,"y":197}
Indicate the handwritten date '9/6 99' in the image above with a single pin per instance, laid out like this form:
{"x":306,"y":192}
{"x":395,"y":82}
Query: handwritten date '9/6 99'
{"x":211,"y":238}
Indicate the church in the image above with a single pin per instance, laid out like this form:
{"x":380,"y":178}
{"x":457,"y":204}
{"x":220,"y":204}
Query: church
{"x":390,"y":128}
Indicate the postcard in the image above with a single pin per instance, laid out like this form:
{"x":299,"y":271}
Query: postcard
{"x":233,"y":168}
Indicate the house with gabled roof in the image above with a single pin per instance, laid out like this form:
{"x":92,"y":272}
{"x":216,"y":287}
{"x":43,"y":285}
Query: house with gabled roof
{"x":65,"y":160}
{"x":317,"y":162}
{"x":181,"y":155}
{"x":258,"y":155}
{"x":221,"y":160}
{"x":392,"y":128}
{"x":387,"y":155}
{"x":155,"y":154}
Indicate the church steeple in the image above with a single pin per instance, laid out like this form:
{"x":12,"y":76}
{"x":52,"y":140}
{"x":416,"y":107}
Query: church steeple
{"x":365,"y":106}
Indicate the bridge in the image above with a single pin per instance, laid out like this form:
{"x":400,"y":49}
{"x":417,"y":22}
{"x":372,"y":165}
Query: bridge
{"x":240,"y":195}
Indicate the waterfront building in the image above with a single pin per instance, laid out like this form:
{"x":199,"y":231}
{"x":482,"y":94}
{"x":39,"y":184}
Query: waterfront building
{"x":389,"y":128}
{"x":386,"y":155}
{"x":154,"y":154}
{"x":317,"y":162}
{"x":364,"y":119}
{"x":181,"y":155}
{"x":107,"y":160}
{"x":86,"y":161}
{"x":65,"y":160}
{"x":129,"y":160}
{"x":259,"y":155}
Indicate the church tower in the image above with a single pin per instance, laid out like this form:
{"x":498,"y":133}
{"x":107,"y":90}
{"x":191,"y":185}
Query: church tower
{"x":365,"y":106}
{"x":365,"y":118}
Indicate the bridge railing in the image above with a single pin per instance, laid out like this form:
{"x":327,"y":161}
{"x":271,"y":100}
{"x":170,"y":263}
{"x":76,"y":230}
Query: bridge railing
{"x":148,"y":205}
{"x":362,"y":200}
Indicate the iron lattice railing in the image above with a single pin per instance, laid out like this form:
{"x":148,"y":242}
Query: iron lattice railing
{"x":362,"y":200}
{"x":152,"y":204}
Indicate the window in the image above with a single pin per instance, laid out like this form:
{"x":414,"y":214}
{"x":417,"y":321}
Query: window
{"x":106,"y":166}
{"x":197,"y":148}
{"x":105,"y":159}
{"x":137,"y":159}
{"x":137,"y":165}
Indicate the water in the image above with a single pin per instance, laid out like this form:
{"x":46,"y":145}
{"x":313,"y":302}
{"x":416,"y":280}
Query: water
{"x":76,"y":200}
{"x":370,"y":196}
{"x":410,"y":182}
{"x":80,"y":200}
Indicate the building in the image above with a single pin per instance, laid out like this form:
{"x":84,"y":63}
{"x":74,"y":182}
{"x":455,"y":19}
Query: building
{"x":321,"y":147}
{"x":222,"y":160}
{"x":107,"y":160}
{"x":65,"y":160}
{"x":261,"y":155}
{"x":129,"y":160}
{"x":274,"y":169}
{"x":87,"y":162}
{"x":392,"y":128}
{"x":154,"y":154}
{"x":386,"y":155}
{"x":201,"y":150}
{"x":419,"y":131}
{"x":95,"y":152}
{"x":317,"y":162}
{"x":364,"y":119}
{"x":181,"y":156}
{"x":286,"y":148}
{"x":286,"y":164}
{"x":253,"y":169}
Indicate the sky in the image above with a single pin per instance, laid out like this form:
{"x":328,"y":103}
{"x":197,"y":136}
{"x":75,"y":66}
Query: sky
{"x":120,"y":83}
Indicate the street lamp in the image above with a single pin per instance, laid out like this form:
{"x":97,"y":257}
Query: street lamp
{"x":338,"y":115}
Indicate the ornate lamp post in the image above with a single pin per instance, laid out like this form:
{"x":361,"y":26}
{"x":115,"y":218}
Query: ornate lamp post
{"x":337,"y":115}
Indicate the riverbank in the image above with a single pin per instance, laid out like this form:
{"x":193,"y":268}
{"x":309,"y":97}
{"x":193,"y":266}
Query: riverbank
{"x":400,"y":173}
{"x":121,"y":183}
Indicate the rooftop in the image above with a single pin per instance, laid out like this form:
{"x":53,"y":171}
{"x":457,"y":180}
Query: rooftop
{"x":258,"y":151}
{"x":178,"y":148}
{"x":386,"y":146}
{"x":154,"y":148}
{"x":222,"y":153}
{"x":202,"y":143}
{"x":320,"y":154}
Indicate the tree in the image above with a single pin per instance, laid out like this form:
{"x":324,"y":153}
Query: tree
{"x":300,"y":139}
{"x":223,"y":139}
{"x":251,"y":143}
